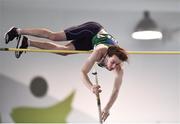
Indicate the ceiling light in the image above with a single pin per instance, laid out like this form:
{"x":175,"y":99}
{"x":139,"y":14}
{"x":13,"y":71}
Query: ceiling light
{"x":147,"y":29}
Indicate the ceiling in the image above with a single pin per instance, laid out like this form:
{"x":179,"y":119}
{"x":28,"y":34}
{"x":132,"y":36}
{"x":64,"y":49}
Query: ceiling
{"x":121,"y":5}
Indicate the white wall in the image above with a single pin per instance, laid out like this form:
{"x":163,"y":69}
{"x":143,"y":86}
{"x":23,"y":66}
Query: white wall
{"x":151,"y":87}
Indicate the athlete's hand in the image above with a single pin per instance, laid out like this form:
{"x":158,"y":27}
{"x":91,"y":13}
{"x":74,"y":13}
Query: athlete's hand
{"x":96,"y":89}
{"x":104,"y":115}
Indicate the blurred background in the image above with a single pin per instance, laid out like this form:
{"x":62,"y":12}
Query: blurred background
{"x":33,"y":87}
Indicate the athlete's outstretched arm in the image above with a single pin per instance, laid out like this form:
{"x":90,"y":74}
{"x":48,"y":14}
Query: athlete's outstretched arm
{"x":117,"y":83}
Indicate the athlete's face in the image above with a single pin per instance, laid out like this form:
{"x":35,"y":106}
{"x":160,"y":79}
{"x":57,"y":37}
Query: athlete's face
{"x":112,"y":62}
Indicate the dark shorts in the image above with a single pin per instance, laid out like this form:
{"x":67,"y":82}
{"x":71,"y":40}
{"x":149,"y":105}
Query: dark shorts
{"x":82,"y":35}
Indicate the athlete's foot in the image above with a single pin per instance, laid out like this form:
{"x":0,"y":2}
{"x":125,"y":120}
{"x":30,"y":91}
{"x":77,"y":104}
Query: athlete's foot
{"x":21,"y":44}
{"x":11,"y":35}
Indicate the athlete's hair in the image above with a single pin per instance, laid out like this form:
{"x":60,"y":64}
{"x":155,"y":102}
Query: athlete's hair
{"x":118,"y":51}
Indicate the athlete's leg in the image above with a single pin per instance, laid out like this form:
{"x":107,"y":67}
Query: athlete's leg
{"x":51,"y":46}
{"x":43,"y":33}
{"x":24,"y":43}
{"x":39,"y":32}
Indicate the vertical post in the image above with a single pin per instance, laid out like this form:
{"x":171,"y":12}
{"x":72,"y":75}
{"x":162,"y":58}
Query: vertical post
{"x":98,"y":97}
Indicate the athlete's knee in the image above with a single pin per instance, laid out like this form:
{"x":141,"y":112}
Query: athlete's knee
{"x":52,"y":36}
{"x":57,"y":36}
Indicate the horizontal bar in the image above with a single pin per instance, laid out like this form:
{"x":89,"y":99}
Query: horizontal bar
{"x":86,"y":52}
{"x":44,"y":50}
{"x":155,"y":52}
